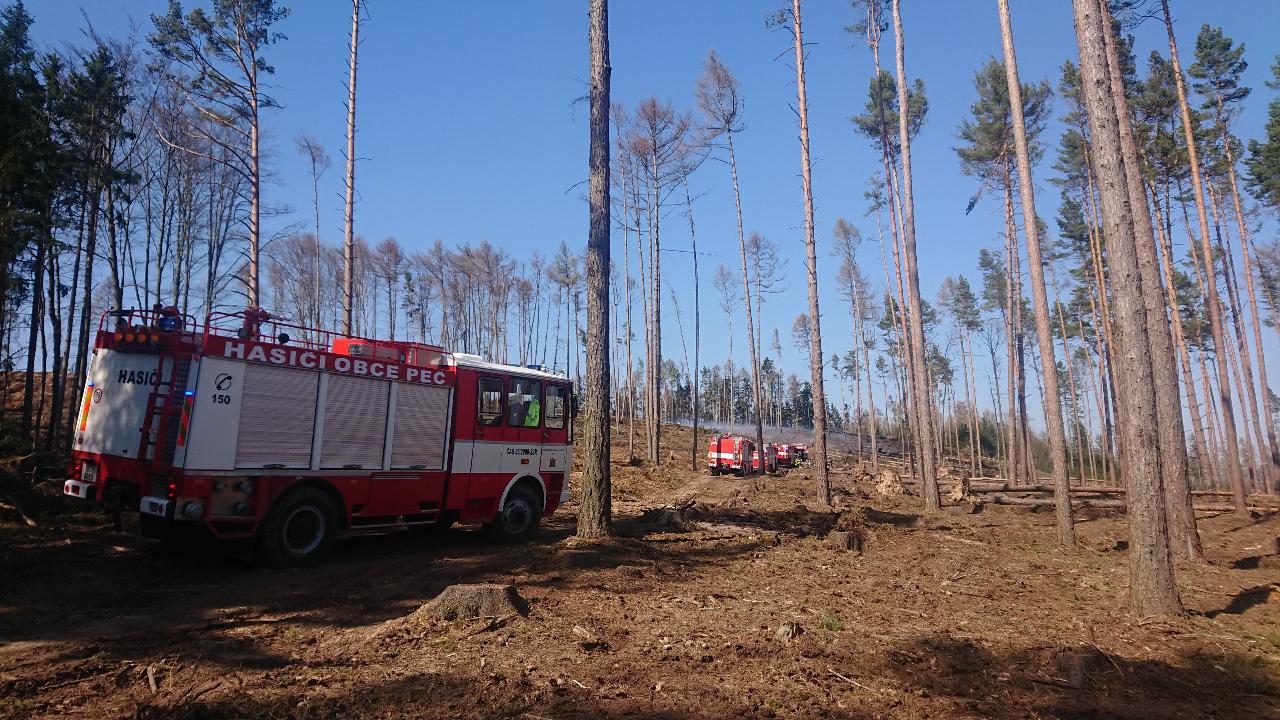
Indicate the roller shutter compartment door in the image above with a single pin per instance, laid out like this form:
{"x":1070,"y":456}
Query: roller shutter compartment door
{"x":355,"y":423}
{"x":277,"y":417}
{"x":422,"y":423}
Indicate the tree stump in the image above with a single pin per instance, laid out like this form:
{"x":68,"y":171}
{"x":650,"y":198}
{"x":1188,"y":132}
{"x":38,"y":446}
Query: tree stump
{"x":888,"y":483}
{"x":462,"y":602}
{"x":787,"y":632}
{"x":845,"y":540}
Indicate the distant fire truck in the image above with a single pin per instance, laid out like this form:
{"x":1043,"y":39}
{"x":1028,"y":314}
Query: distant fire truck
{"x":251,"y":433}
{"x":786,"y":456}
{"x":729,"y":454}
{"x":770,"y":458}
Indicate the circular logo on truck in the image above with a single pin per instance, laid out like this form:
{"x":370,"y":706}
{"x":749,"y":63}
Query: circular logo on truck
{"x":97,"y":395}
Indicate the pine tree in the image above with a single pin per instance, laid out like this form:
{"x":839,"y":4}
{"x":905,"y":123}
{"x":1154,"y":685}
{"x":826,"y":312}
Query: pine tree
{"x":718,"y":97}
{"x":1263,"y":163}
{"x":989,"y":155}
{"x":1218,"y":68}
{"x":595,"y":511}
{"x":217,"y":58}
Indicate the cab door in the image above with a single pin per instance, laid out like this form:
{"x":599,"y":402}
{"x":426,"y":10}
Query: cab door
{"x":557,"y":427}
{"x":489,"y":434}
{"x":524,"y":425}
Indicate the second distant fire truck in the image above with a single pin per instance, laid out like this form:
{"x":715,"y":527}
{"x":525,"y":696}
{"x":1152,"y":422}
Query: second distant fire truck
{"x":256,"y":429}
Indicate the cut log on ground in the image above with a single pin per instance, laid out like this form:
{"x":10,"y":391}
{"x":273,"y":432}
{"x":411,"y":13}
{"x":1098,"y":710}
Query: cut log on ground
{"x":997,"y":499}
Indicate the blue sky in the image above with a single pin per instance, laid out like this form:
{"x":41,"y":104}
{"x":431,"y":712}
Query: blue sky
{"x":471,"y":124}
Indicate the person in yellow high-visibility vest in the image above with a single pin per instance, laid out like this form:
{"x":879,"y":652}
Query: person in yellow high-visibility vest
{"x":532,"y":412}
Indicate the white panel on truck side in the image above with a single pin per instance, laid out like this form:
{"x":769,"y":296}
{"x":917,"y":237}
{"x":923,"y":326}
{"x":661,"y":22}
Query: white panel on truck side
{"x":117,"y":389}
{"x":215,"y":415}
{"x":355,"y":422}
{"x":277,"y":417}
{"x":421,"y":426}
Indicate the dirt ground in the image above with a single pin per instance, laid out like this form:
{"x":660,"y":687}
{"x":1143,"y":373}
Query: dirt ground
{"x":743,"y":611}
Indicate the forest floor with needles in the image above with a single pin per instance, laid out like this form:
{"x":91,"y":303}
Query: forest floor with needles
{"x":720,"y":597}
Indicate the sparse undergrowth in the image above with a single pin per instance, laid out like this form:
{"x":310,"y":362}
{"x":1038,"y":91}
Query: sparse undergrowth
{"x":743,"y":611}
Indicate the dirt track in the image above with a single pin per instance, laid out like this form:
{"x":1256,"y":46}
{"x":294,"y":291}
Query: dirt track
{"x":962,"y":615}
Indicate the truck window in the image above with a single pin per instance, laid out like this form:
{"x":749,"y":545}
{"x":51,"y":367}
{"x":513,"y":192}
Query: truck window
{"x":524,"y":403}
{"x":554,"y":408}
{"x":489,"y":402}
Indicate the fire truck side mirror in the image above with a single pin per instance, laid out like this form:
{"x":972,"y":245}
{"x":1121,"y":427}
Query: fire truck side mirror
{"x":573,"y":404}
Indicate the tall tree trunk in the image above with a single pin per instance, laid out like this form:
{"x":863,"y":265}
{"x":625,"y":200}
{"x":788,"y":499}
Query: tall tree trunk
{"x":595,"y":508}
{"x":1271,"y":464}
{"x":757,"y":396}
{"x":59,"y":370}
{"x":1231,"y":439}
{"x":653,"y":412}
{"x":1039,"y":296}
{"x":811,"y":263}
{"x":33,"y":329}
{"x":1152,"y":590}
{"x":1012,"y":312}
{"x":695,"y":401}
{"x":929,"y":477}
{"x":1173,"y":437}
{"x":1193,"y":549}
{"x":1245,"y":380}
{"x":349,"y":209}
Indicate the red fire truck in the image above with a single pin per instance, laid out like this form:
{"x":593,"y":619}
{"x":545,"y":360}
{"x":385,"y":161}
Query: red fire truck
{"x":729,"y":454}
{"x":770,"y":458}
{"x":252,"y":427}
{"x":786,"y":456}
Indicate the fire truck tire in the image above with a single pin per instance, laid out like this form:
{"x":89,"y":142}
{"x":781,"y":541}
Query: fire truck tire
{"x":715,"y":471}
{"x":300,"y":529}
{"x":519,"y":517}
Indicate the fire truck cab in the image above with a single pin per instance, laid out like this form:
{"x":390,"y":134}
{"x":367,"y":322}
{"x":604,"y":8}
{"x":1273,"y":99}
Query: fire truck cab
{"x":254,"y":428}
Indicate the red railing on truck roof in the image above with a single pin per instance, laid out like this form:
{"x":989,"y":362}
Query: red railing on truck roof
{"x":259,"y":325}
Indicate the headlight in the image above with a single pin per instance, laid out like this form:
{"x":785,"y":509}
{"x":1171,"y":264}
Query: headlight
{"x":193,"y":510}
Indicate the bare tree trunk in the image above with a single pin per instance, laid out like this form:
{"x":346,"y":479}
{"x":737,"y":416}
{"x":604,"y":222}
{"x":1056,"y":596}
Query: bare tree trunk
{"x":595,"y":508}
{"x":746,"y":288}
{"x":349,"y":212}
{"x":1071,"y":376}
{"x":1271,"y":464}
{"x":1245,"y":379}
{"x":697,"y":337}
{"x":1013,"y":303}
{"x":1232,"y":449}
{"x":1173,"y":437}
{"x":811,"y":261}
{"x":1039,"y":296}
{"x":33,"y":330}
{"x":929,"y":478}
{"x":1194,"y":549}
{"x":1152,"y":590}
{"x":971,"y":397}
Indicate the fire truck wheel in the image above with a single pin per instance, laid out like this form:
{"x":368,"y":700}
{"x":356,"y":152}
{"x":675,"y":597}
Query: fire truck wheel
{"x":715,"y":471}
{"x":519,"y":517}
{"x":300,"y":529}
